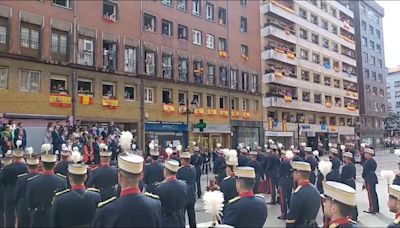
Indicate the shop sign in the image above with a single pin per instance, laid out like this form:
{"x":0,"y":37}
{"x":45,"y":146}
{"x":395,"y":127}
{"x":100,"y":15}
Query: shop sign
{"x":165,"y":127}
{"x":213,"y":128}
{"x":278,"y":134}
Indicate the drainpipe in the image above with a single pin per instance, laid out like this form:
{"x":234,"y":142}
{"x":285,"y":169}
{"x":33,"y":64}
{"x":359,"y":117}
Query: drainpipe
{"x":74,"y":91}
{"x":142,"y":131}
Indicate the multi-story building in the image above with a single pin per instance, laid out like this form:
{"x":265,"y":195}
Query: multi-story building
{"x":155,"y":67}
{"x":393,"y":90}
{"x":309,"y":71}
{"x":371,"y":71}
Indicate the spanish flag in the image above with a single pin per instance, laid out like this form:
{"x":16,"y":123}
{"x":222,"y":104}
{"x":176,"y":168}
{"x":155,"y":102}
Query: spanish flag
{"x":86,"y":99}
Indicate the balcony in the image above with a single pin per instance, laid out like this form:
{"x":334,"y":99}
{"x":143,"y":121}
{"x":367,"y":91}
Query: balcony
{"x":342,"y":8}
{"x":269,"y":102}
{"x":305,"y":127}
{"x":273,"y":30}
{"x":280,"y":55}
{"x":321,"y":69}
{"x":278,"y":9}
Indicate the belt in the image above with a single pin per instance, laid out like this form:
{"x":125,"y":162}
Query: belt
{"x":176,"y":212}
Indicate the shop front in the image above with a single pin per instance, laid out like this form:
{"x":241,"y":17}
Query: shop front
{"x":166,"y":133}
{"x":211,"y":135}
{"x":247,"y":132}
{"x":284,"y":137}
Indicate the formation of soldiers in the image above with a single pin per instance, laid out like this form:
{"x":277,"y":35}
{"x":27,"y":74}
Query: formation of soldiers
{"x":39,"y":191}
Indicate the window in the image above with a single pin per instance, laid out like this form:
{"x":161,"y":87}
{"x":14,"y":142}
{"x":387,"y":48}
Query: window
{"x":315,"y":58}
{"x":182,"y":5}
{"x":332,"y":121}
{"x":234,"y":79}
{"x":303,"y":13}
{"x":211,"y":74}
{"x":210,"y":41}
{"x":317,"y":98}
{"x":397,"y":105}
{"x":129,"y":93}
{"x":342,"y":121}
{"x":222,"y":44}
{"x":110,"y":10}
{"x":325,"y":43}
{"x":374,"y":75}
{"x":378,"y":48}
{"x":59,"y":43}
{"x":243,"y":24}
{"x":245,"y":81}
{"x":149,"y":62}
{"x":222,"y":16}
{"x":380,"y":63}
{"x":397,"y":94}
{"x":182,"y":97}
{"x":364,"y":25}
{"x":109,"y":55}
{"x":222,"y":102}
{"x":148,"y":95}
{"x":210,"y":101}
{"x":197,"y":99}
{"x":372,"y":60}
{"x":58,"y":84}
{"x":167,"y":66}
{"x":380,"y":78}
{"x":244,"y":50}
{"x":363,"y":9}
{"x":166,"y":96}
{"x":223,"y":77}
{"x":314,"y":19}
{"x":333,"y":11}
{"x":303,"y":34}
{"x":371,"y":30}
{"x":378,"y":34}
{"x":3,"y":77}
{"x":254,"y":105}
{"x":198,"y":72}
{"x":338,"y":102}
{"x":130,"y":59}
{"x":209,"y":11}
{"x":335,"y":47}
{"x":316,"y":78}
{"x":305,"y":75}
{"x":397,"y":84}
{"x":306,"y":96}
{"x":183,"y":32}
{"x":167,"y":2}
{"x":365,"y":57}
{"x":368,"y":88}
{"x":3,"y":34}
{"x":326,"y":62}
{"x":381,"y":93}
{"x":29,"y":81}
{"x":183,"y":69}
{"x":372,"y":45}
{"x":108,"y":89}
{"x":364,"y":41}
{"x":29,"y":38}
{"x":64,"y":3}
{"x":166,"y":27}
{"x":234,"y":104}
{"x":254,"y":81}
{"x":86,"y":51}
{"x":324,"y":24}
{"x":245,"y":104}
{"x":304,"y":54}
{"x":196,"y":37}
{"x":327,"y":81}
{"x":366,"y":73}
{"x":315,"y":38}
{"x":149,"y":22}
{"x":243,"y":2}
{"x":334,"y":29}
{"x":336,"y":83}
{"x":196,"y":7}
{"x":375,"y":90}
{"x":85,"y":86}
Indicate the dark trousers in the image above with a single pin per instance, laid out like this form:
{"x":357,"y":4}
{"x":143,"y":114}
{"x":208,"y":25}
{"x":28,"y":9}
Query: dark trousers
{"x":285,"y":193}
{"x":198,"y":186}
{"x":23,"y":220}
{"x":9,"y":211}
{"x":372,"y":197}
{"x":205,"y":168}
{"x":272,"y":188}
{"x":191,"y":215}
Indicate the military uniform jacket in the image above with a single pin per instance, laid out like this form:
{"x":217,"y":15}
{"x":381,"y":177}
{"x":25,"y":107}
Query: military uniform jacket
{"x":20,"y":192}
{"x":196,"y":160}
{"x":10,"y":175}
{"x":311,"y":160}
{"x":228,"y":187}
{"x":75,"y":207}
{"x":369,"y":172}
{"x":285,"y":174}
{"x":104,"y":178}
{"x":188,"y":174}
{"x":246,"y":210}
{"x":396,"y":222}
{"x":40,"y":192}
{"x":257,"y":168}
{"x":396,"y":180}
{"x":342,"y":223}
{"x":153,"y":174}
{"x":62,"y":167}
{"x":348,"y":175}
{"x":173,"y":196}
{"x":273,"y":164}
{"x":243,"y":160}
{"x":131,"y":209}
{"x":219,"y":168}
{"x":304,"y":205}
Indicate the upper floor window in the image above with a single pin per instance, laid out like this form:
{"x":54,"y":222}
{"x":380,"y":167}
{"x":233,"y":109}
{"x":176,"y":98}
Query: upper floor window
{"x":234,"y":79}
{"x":149,"y":22}
{"x":182,"y":5}
{"x":167,"y":2}
{"x":243,"y":24}
{"x":364,"y":25}
{"x":222,"y":46}
{"x":3,"y":34}
{"x":243,"y":2}
{"x":304,"y":54}
{"x":335,"y":47}
{"x":110,"y":10}
{"x":325,"y":43}
{"x":167,"y":27}
{"x":30,"y":37}
{"x":166,"y":96}
{"x":324,"y":24}
{"x":303,"y":13}
{"x":130,"y":59}
{"x":210,"y":101}
{"x":334,"y":29}
{"x":58,"y":84}
{"x":303,"y":33}
{"x":210,"y":41}
{"x":196,"y":7}
{"x":198,"y":72}
{"x":211,"y":74}
{"x":148,"y":95}
{"x":29,"y":81}
{"x":109,"y":55}
{"x":108,"y":89}
{"x":378,"y":34}
{"x":3,"y":77}
{"x":314,"y":19}
{"x":183,"y":32}
{"x":364,"y":41}
{"x":244,"y":50}
{"x":167,"y":69}
{"x":59,"y":43}
{"x":196,"y":37}
{"x":210,"y":11}
{"x":86,"y":51}
{"x":315,"y":38}
{"x":372,"y":45}
{"x":223,"y":78}
{"x":254,"y":81}
{"x":129,"y":93}
{"x":378,"y":48}
{"x":245,"y":81}
{"x":222,"y":16}
{"x":149,"y":62}
{"x":64,"y":3}
{"x":183,"y":69}
{"x":85,"y":86}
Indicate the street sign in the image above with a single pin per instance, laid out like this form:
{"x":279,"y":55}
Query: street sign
{"x":201,"y":125}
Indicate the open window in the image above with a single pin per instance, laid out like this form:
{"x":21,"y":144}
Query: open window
{"x":222,"y":16}
{"x":198,"y":72}
{"x":108,"y":90}
{"x":58,"y":85}
{"x":223,"y":77}
{"x":109,"y":55}
{"x":167,"y":96}
{"x":129,"y":93}
{"x":149,"y":22}
{"x":167,"y":66}
{"x":86,"y":51}
{"x":85,"y":86}
{"x":130,"y":59}
{"x":110,"y":10}
{"x":149,"y":62}
{"x":183,"y":32}
{"x":211,"y":74}
{"x":183,"y":69}
{"x":63,"y":3}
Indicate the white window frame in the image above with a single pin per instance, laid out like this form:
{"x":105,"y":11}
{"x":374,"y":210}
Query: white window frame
{"x":181,"y":5}
{"x":67,"y":4}
{"x":86,"y":80}
{"x":212,"y":101}
{"x":254,"y":105}
{"x":3,"y":77}
{"x":209,"y":11}
{"x":29,"y":87}
{"x":3,"y":34}
{"x":148,"y":95}
{"x":134,"y":92}
{"x":244,"y":105}
{"x":167,"y":2}
{"x":113,"y":89}
{"x":198,"y":104}
{"x":85,"y":51}
{"x":196,"y":37}
{"x":170,"y":27}
{"x":196,"y":7}
{"x":59,"y":78}
{"x":210,"y":41}
{"x":168,"y":67}
{"x":148,"y":71}
{"x":233,"y":79}
{"x":130,"y":61}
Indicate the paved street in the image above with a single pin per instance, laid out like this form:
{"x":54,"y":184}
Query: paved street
{"x":384,"y":159}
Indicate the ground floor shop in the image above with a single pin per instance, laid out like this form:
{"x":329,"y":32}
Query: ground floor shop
{"x":247,"y":132}
{"x":211,"y":135}
{"x":167,"y":133}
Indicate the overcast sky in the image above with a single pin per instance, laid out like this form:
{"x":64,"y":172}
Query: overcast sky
{"x":391,"y":30}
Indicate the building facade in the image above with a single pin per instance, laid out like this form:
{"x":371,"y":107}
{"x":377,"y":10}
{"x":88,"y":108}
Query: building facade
{"x":371,"y":71}
{"x":154,"y":67}
{"x":393,"y":90}
{"x":309,"y":78}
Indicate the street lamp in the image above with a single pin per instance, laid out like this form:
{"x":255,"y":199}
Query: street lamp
{"x":188,"y":111}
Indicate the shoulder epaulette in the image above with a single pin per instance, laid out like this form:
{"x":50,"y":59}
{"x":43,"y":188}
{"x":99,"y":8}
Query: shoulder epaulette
{"x":23,"y":174}
{"x":93,"y":189}
{"x":101,"y":204}
{"x":234,"y":199}
{"x":261,"y":196}
{"x":396,"y":221}
{"x":297,"y":189}
{"x":94,"y":168}
{"x":31,"y":178}
{"x":333,"y":225}
{"x":151,"y":195}
{"x":226,"y":178}
{"x":62,"y":192}
{"x":352,"y":221}
{"x":290,"y":221}
{"x":60,"y":175}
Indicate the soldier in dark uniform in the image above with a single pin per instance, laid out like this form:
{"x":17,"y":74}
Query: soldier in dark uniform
{"x":5,"y":161}
{"x":247,"y":209}
{"x":313,"y":163}
{"x":228,"y":185}
{"x":10,"y":175}
{"x":339,"y":201}
{"x":105,"y":177}
{"x":196,"y":160}
{"x":75,"y":207}
{"x":371,"y":180}
{"x":243,"y":157}
{"x":41,"y":190}
{"x":335,"y":174}
{"x":302,"y":152}
{"x":261,"y":160}
{"x":20,"y":191}
{"x":257,"y":168}
{"x":305,"y":201}
{"x":219,"y":166}
{"x":175,"y":156}
{"x":285,"y":183}
{"x":187,"y":173}
{"x":173,"y":196}
{"x":296,"y":155}
{"x":131,"y":208}
{"x":62,"y":165}
{"x":153,"y":172}
{"x":350,"y":148}
{"x":396,"y":180}
{"x":348,"y":177}
{"x":272,"y":170}
{"x":394,"y":205}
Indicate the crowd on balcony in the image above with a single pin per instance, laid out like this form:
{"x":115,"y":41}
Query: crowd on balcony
{"x":280,"y":24}
{"x":286,"y":71}
{"x":280,"y":92}
{"x":280,"y":47}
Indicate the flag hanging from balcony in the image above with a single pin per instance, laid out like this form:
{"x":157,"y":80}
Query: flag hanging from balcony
{"x":168,"y":108}
{"x":110,"y":103}
{"x":60,"y":100}
{"x":86,"y":99}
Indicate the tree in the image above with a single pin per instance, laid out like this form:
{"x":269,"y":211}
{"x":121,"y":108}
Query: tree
{"x":392,"y":122}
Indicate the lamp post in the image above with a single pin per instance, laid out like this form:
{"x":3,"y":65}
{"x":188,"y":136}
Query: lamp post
{"x":188,"y":111}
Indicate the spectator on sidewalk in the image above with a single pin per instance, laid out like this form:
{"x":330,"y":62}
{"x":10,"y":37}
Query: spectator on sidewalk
{"x":20,"y":134}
